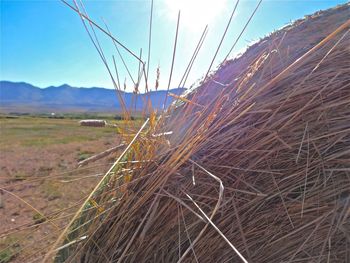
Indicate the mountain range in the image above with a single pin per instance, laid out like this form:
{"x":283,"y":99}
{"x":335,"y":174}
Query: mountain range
{"x":24,"y":97}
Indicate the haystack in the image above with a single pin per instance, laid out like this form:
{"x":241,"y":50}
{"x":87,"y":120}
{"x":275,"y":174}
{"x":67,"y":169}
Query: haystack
{"x":93,"y":123}
{"x":256,"y":169}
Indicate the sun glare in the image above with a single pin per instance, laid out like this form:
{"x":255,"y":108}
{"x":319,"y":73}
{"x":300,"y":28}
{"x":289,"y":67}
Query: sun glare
{"x":195,"y":14}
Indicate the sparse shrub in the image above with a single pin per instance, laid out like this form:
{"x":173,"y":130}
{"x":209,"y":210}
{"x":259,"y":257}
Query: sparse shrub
{"x":38,"y":218}
{"x":83,"y":155}
{"x":9,"y":247}
{"x":51,"y":190}
{"x":19,"y":176}
{"x":5,"y":255}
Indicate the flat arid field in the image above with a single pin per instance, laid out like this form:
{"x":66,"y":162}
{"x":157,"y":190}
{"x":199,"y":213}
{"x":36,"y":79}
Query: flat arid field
{"x":38,"y":163}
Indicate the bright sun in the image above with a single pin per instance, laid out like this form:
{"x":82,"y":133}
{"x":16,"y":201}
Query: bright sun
{"x":195,"y":14}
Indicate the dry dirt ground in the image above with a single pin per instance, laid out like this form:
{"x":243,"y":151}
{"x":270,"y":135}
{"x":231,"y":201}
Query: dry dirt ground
{"x":41,"y":185}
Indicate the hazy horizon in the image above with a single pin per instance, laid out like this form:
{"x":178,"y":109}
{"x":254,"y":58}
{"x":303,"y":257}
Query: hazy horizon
{"x":78,"y":87}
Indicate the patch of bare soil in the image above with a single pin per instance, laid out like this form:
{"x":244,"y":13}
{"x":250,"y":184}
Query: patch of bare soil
{"x":42,"y":187}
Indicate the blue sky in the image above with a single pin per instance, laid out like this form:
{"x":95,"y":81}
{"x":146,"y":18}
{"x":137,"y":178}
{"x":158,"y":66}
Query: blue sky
{"x":44,"y":42}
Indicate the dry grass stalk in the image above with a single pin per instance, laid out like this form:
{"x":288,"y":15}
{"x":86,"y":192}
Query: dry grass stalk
{"x":272,"y":128}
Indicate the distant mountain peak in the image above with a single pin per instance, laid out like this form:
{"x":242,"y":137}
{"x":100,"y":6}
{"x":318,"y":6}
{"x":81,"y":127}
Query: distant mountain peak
{"x":65,"y":86}
{"x":24,"y":97}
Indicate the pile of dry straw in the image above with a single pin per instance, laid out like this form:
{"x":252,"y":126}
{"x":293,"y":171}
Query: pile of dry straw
{"x":257,"y":167}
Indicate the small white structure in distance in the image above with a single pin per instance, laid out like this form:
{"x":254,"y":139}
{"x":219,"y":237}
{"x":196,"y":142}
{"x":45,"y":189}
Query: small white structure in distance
{"x":93,"y":123}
